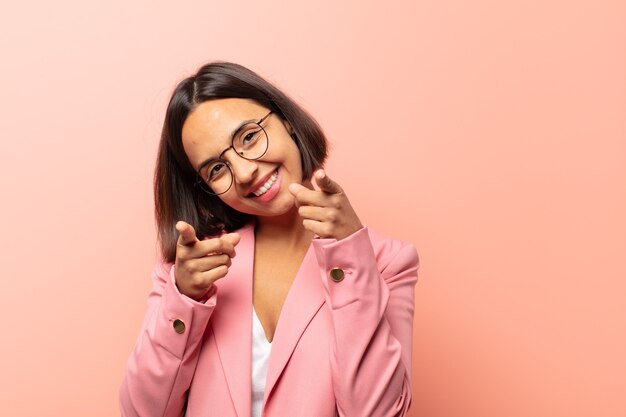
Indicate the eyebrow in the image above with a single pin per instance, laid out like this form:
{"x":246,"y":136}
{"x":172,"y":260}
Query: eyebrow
{"x":232,"y":137}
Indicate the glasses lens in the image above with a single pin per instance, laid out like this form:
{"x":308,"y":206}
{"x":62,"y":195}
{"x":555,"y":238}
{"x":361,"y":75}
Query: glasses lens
{"x":216,"y":177}
{"x":251,"y":141}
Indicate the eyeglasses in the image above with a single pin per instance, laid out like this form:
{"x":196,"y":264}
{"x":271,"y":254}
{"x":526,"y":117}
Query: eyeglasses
{"x":250,"y":141}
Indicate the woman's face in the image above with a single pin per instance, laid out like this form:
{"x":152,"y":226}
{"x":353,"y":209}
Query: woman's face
{"x":259,"y":187}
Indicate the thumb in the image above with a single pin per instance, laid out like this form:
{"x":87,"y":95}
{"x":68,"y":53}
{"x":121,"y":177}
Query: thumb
{"x":232,"y":238}
{"x":187,"y":235}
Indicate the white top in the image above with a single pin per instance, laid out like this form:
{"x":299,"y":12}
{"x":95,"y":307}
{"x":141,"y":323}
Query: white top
{"x":261,"y":349}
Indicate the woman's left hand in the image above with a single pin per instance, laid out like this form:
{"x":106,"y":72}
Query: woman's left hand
{"x":327,"y":211}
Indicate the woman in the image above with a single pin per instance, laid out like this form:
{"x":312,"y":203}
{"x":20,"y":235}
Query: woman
{"x":252,"y":230}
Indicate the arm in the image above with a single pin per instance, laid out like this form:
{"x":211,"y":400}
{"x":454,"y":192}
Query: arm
{"x":372,"y":311}
{"x":160,"y":369}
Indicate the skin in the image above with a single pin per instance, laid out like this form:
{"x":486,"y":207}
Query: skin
{"x":286,"y":224}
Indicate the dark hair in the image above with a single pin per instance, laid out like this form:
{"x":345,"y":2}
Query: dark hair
{"x":175,"y":196}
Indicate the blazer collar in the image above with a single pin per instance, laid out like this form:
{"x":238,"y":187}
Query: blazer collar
{"x":232,"y":320}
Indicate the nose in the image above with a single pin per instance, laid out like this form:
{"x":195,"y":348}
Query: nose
{"x":244,"y":170}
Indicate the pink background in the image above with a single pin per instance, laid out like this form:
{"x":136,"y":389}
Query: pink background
{"x":490,"y":134}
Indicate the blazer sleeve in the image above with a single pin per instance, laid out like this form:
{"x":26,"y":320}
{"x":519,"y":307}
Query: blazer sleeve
{"x":159,"y":371}
{"x":372,"y":313}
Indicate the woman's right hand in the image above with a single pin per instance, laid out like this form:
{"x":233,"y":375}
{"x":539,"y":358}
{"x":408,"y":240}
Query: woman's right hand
{"x":199,"y":263}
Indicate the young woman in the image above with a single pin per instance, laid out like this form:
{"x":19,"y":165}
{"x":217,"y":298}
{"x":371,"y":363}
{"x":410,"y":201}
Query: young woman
{"x":272,"y":298}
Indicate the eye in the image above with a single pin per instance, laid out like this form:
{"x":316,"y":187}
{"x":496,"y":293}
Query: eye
{"x":215,"y":170}
{"x":250,"y":137}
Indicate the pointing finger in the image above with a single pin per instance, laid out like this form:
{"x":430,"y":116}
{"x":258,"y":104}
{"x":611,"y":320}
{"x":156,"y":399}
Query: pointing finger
{"x":325,"y":183}
{"x":187,"y":235}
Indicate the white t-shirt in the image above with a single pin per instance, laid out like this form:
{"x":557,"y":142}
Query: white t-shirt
{"x":261,"y":349}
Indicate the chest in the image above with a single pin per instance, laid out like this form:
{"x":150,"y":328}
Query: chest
{"x":273,"y":274}
{"x":218,"y":387}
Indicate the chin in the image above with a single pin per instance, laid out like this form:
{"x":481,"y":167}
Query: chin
{"x":278,"y":208}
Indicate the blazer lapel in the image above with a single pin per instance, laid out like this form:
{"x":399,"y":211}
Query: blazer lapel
{"x":304,"y":299}
{"x":232,"y":322}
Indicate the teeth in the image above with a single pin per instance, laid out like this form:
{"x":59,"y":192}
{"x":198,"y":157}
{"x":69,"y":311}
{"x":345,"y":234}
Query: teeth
{"x":267,"y":185}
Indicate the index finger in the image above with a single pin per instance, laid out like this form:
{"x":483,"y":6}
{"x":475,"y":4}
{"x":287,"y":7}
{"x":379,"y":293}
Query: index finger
{"x":325,"y":183}
{"x":187,"y":235}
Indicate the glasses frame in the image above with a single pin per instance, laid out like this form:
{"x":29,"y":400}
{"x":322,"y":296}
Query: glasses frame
{"x":202,"y":183}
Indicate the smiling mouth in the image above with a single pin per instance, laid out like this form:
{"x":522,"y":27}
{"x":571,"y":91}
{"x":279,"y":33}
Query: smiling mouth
{"x":265,"y":187}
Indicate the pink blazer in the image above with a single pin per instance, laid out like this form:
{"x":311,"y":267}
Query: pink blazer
{"x":340,"y":348}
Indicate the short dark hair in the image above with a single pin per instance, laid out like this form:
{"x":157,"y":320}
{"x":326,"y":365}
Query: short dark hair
{"x":175,"y":196}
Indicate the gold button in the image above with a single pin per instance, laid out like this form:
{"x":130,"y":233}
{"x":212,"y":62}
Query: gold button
{"x":337,"y":274}
{"x":179,"y":326}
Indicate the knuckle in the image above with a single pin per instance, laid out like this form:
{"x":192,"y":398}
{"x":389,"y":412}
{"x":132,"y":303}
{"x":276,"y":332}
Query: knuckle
{"x":197,"y":280}
{"x":190,"y":265}
{"x":332,"y":215}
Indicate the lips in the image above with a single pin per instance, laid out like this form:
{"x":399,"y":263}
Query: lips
{"x":263,"y":184}
{"x":270,"y":193}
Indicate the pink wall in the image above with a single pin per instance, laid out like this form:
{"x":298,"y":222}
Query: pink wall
{"x":490,"y":134}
